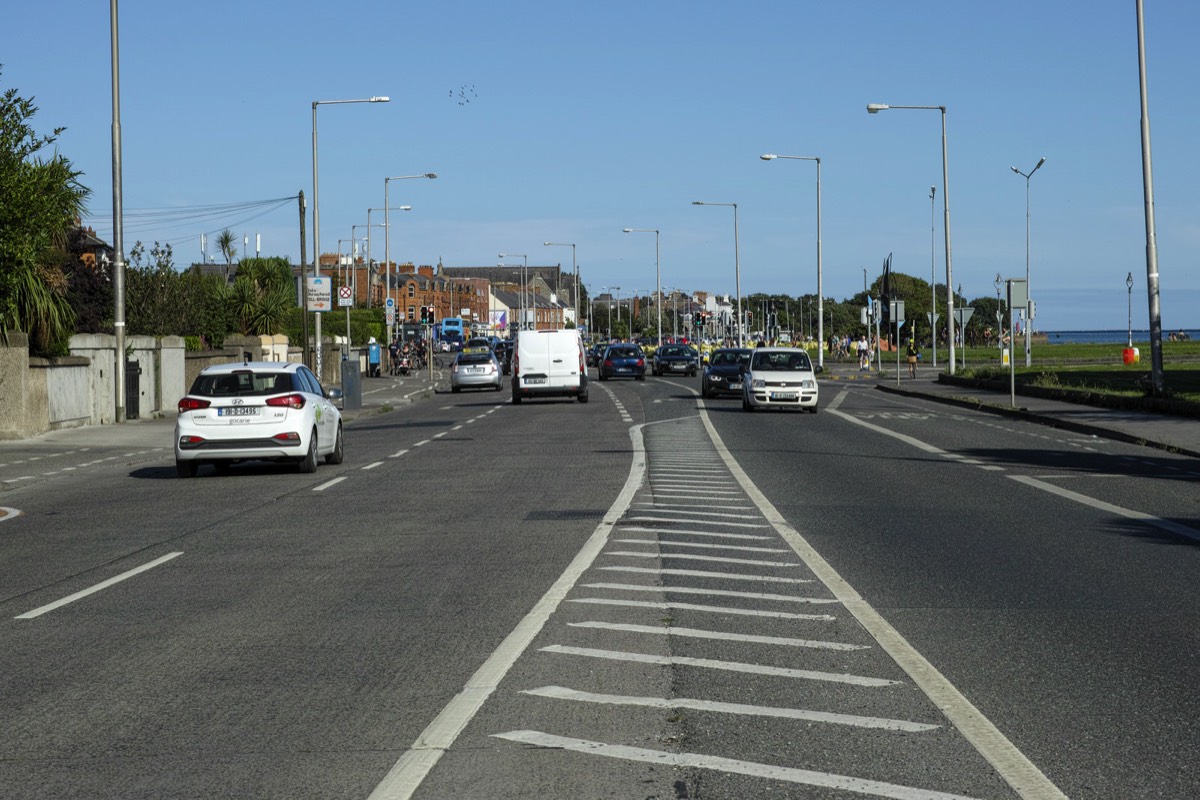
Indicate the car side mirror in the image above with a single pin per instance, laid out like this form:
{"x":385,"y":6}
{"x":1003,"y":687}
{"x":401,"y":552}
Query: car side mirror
{"x":333,"y":393}
{"x":818,"y":369}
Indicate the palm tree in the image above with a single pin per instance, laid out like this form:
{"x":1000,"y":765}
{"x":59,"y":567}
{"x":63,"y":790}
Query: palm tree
{"x":262,"y":295}
{"x":227,"y":244}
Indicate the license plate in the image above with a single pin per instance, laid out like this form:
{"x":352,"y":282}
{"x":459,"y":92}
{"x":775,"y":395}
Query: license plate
{"x":679,"y":366}
{"x":238,"y":411}
{"x":475,"y":370}
{"x":533,"y":381}
{"x":735,"y":386}
{"x":784,"y":395}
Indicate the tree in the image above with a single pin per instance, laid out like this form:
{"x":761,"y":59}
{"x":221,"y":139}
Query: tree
{"x":262,"y":295}
{"x":227,"y":244}
{"x":40,"y":199}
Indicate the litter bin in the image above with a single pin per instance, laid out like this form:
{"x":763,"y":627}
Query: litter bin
{"x":132,"y":388}
{"x":1130,"y":356}
{"x":351,"y":385}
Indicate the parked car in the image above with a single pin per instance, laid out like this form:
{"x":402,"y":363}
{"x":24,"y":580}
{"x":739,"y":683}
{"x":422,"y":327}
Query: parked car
{"x":472,"y":370}
{"x":779,"y":377}
{"x":676,"y":359}
{"x":723,"y":374}
{"x":595,"y":354}
{"x":257,"y":411}
{"x":504,"y":354}
{"x":549,"y":363}
{"x":623,"y":361}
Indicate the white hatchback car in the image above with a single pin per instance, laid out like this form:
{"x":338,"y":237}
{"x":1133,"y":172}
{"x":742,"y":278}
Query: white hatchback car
{"x":779,"y":377}
{"x":261,"y":410}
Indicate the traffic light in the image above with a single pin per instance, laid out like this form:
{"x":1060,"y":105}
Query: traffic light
{"x":426,"y":315}
{"x":698,"y":319}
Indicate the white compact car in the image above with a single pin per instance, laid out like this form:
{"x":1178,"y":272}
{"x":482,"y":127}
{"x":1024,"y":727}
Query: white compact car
{"x":257,"y":411}
{"x":779,"y":377}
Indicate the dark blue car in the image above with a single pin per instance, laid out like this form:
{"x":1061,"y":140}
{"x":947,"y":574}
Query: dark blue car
{"x":623,"y":361}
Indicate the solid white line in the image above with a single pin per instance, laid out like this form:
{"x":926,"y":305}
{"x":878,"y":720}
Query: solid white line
{"x":671,"y":703}
{"x":373,"y":465}
{"x":741,"y":612}
{"x":698,"y":633}
{"x":701,"y":522}
{"x":661,"y":758}
{"x":37,"y":612}
{"x":1012,"y":765}
{"x":699,"y":573}
{"x":709,"y":534}
{"x":410,"y":770}
{"x":672,"y":491}
{"x":634,"y":587}
{"x":693,"y":505}
{"x":749,"y":562}
{"x":710,"y":663}
{"x":1100,"y":505}
{"x":704,"y":545}
{"x":701,"y":513}
{"x":327,"y":484}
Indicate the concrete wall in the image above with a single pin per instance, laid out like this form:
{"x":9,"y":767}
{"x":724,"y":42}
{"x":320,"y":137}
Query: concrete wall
{"x":69,"y":402}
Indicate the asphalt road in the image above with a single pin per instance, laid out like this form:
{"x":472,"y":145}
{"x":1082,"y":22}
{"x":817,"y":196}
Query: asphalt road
{"x":643,"y":596}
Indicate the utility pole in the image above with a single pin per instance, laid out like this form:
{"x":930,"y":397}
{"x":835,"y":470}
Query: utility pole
{"x":304,"y":280}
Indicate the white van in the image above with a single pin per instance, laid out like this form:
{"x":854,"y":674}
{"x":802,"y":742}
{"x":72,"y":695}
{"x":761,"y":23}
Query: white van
{"x":548,"y":364}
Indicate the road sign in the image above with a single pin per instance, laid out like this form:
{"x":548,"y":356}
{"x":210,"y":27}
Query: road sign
{"x":390,"y":303}
{"x":320,"y":294}
{"x":345,"y":296}
{"x":389,"y":313}
{"x":896,"y":307}
{"x":963,"y":315}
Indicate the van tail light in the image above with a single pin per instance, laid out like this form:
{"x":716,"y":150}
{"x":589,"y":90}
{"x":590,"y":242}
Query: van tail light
{"x":516,"y":363}
{"x":192,"y":404}
{"x":288,"y":400}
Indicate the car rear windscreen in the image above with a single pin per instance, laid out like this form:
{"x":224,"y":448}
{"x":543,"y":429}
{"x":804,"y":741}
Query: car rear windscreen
{"x":242,"y":384}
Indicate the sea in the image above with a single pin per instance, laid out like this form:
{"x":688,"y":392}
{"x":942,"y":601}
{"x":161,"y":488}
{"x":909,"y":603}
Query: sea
{"x":1112,"y":337}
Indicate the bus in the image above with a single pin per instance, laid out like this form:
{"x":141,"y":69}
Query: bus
{"x":452,"y":331}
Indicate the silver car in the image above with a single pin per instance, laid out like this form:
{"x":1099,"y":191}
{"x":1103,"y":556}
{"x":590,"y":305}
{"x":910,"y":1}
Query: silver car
{"x":779,"y":377}
{"x":476,"y":371}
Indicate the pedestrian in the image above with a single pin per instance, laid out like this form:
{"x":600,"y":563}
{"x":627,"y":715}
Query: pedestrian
{"x":912,"y":358}
{"x":374,"y":352}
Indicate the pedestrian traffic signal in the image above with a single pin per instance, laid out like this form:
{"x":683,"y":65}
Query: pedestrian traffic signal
{"x":426,"y":315}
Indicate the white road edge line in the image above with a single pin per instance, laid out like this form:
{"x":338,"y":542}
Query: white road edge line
{"x":1018,"y":771}
{"x":410,"y":770}
{"x":37,"y":612}
{"x":1158,"y":522}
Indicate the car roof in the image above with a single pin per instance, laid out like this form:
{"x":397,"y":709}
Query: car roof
{"x":256,"y":366}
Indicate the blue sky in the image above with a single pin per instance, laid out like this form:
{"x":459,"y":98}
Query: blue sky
{"x":581,"y":119}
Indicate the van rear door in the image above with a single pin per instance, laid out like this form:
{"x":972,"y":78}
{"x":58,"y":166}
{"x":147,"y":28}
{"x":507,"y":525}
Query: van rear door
{"x":564,"y":350}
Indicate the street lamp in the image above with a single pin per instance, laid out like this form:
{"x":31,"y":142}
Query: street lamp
{"x":737,"y":269}
{"x":317,"y":210}
{"x":933,"y":274}
{"x":1028,"y":293}
{"x":387,"y":224}
{"x":875,"y":108}
{"x":1129,"y":285}
{"x":574,"y":269}
{"x":657,"y":275}
{"x":524,"y":287}
{"x":820,"y":287}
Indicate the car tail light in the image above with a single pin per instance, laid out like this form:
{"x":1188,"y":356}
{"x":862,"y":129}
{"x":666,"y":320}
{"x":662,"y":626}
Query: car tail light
{"x":454,"y":367}
{"x":641,"y":362}
{"x":192,"y":404}
{"x":290,"y":437}
{"x":191,"y":441}
{"x":289,"y":400}
{"x":608,"y":362}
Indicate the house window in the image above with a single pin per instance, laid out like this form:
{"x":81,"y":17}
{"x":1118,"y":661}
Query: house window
{"x":412,"y":311}
{"x":412,"y":292}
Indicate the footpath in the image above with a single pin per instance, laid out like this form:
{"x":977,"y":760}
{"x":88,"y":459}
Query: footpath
{"x":1162,"y":431}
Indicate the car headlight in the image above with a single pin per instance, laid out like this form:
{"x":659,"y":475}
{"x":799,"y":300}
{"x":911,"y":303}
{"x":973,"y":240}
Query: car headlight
{"x":759,"y":383}
{"x":808,"y":384}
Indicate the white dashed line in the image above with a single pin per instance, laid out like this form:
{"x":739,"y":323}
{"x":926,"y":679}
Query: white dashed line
{"x":327,"y":484}
{"x":37,"y":612}
{"x":373,"y":465}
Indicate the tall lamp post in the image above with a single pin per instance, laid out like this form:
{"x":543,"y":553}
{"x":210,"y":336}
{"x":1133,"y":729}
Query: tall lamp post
{"x":1028,"y":293}
{"x":875,"y":108}
{"x":820,"y":286}
{"x":657,"y":275}
{"x":317,"y":210}
{"x":387,"y":223}
{"x":737,"y":269}
{"x":933,"y":274}
{"x":1129,"y":286}
{"x":524,"y":287}
{"x":574,"y":270}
